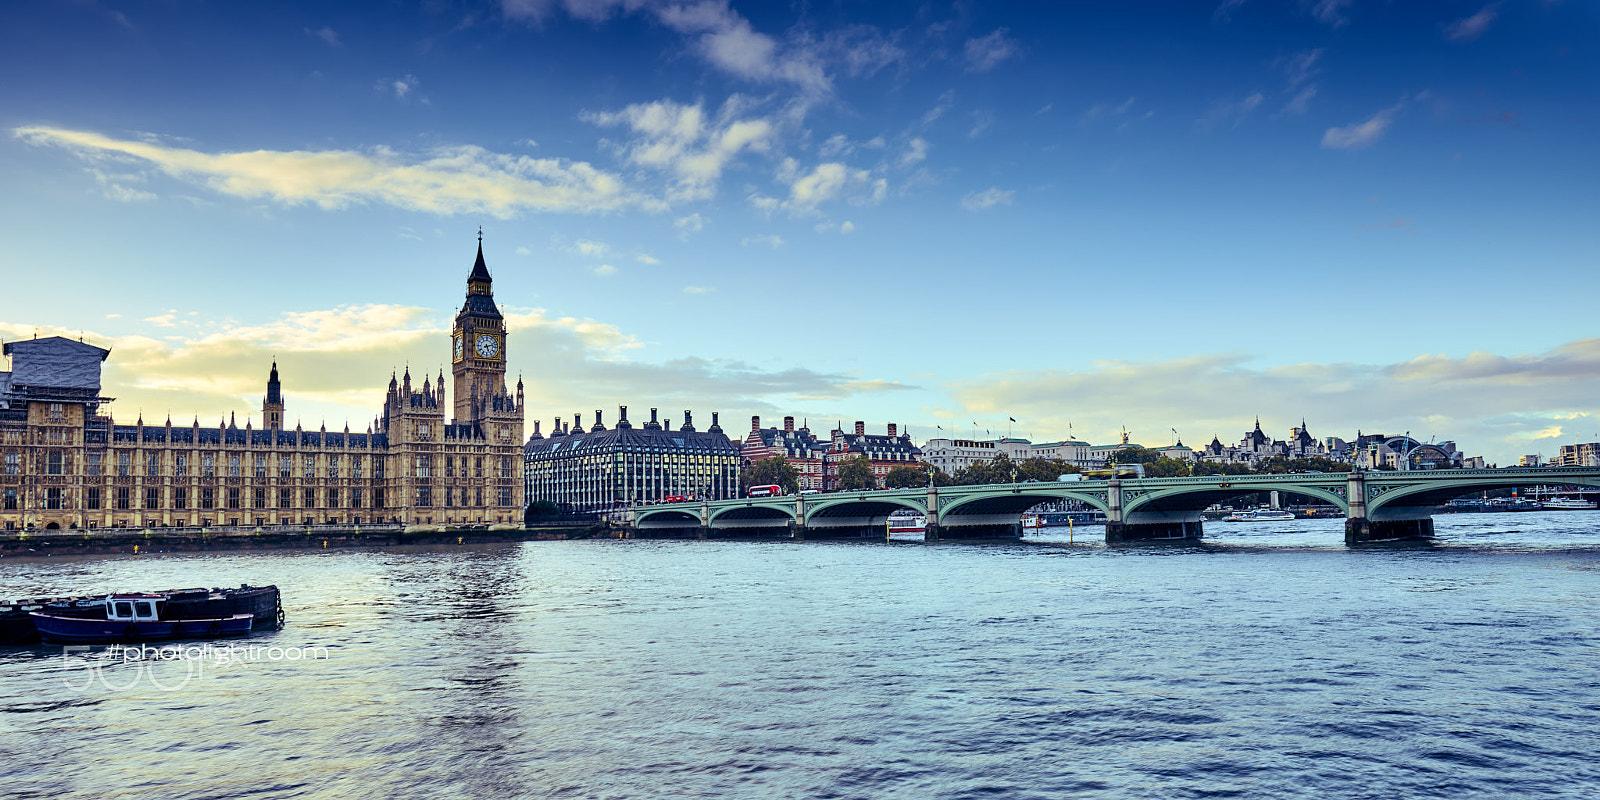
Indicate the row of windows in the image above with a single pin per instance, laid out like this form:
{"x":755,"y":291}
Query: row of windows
{"x":475,"y":498}
{"x":57,"y":462}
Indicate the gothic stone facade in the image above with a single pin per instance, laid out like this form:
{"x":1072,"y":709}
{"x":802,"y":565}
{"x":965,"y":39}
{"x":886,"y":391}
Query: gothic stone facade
{"x":64,"y":465}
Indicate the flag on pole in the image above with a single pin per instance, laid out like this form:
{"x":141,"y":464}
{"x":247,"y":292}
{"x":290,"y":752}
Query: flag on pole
{"x":1013,"y":419}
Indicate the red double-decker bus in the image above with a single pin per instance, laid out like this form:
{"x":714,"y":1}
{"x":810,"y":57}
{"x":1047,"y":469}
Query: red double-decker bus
{"x":770,"y":490}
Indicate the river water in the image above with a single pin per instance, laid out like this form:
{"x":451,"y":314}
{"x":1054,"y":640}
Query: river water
{"x":1270,"y":662}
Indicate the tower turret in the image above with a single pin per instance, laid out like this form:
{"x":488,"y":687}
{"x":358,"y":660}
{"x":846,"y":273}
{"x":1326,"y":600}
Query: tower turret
{"x":272,"y":404}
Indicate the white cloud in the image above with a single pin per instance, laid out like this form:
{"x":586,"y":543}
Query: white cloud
{"x":981,"y":120}
{"x":325,"y":34}
{"x":694,"y":223}
{"x":829,"y":227}
{"x":1470,"y":28}
{"x":772,"y":240}
{"x":124,"y":194}
{"x":1488,"y":403}
{"x":1357,"y":135}
{"x":1331,"y":12}
{"x":402,"y":87}
{"x":719,"y":34}
{"x":584,"y":247}
{"x":1301,"y":102}
{"x":986,"y":52}
{"x":1300,"y":67}
{"x":1099,"y":110}
{"x":988,"y":198}
{"x":1225,"y":10}
{"x":524,"y":251}
{"x":605,"y":270}
{"x":1229,"y":110}
{"x":698,"y":290}
{"x":947,"y":100}
{"x":682,"y":141}
{"x":847,"y":226}
{"x":644,"y":258}
{"x":458,"y":180}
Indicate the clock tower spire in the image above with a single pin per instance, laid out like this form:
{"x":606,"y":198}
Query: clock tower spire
{"x":478,"y":347}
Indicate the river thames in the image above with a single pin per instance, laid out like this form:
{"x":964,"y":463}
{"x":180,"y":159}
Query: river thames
{"x":1270,"y":661}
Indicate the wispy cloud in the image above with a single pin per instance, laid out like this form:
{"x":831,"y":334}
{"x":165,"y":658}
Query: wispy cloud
{"x":698,"y":290}
{"x":916,"y":151}
{"x":1224,"y":112}
{"x":987,"y":52}
{"x":1361,"y":134}
{"x":988,"y":198}
{"x":325,"y":34}
{"x":686,"y":143}
{"x":605,"y":270}
{"x":772,"y":240}
{"x":1487,"y":403}
{"x":1470,"y":28}
{"x":693,"y":223}
{"x":458,"y":180}
{"x":1332,"y":12}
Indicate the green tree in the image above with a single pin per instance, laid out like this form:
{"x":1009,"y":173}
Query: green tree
{"x":1043,"y":469}
{"x":544,"y":508}
{"x":1218,"y":468}
{"x":907,"y":476}
{"x":1167,"y":468}
{"x":999,"y":469}
{"x":1136,"y":455}
{"x":775,"y":470}
{"x":856,"y":473}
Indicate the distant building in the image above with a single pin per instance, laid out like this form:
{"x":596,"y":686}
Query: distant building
{"x":884,"y":451}
{"x":1579,"y":455}
{"x":1179,"y":452}
{"x":1529,"y":461}
{"x":798,"y":446}
{"x":953,"y":455}
{"x":1071,"y":451}
{"x":600,"y":469}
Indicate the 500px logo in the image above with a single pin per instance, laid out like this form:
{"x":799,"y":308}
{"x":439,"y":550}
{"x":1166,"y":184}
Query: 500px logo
{"x":119,"y":668}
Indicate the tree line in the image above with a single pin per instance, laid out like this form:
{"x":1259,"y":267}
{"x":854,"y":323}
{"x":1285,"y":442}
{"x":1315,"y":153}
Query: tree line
{"x":856,"y":472}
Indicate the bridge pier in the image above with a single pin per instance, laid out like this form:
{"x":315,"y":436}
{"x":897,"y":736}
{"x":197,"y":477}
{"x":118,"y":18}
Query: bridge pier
{"x":1162,"y":530}
{"x":1398,"y":524}
{"x":1375,"y":531}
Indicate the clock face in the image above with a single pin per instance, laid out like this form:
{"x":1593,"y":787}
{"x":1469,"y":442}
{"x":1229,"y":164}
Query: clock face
{"x":460,"y":345}
{"x":487,"y":346}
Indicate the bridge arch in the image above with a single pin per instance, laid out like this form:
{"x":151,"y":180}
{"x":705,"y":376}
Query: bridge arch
{"x":1012,"y":500}
{"x":1389,"y":495}
{"x":1196,"y":497}
{"x":762,"y":515}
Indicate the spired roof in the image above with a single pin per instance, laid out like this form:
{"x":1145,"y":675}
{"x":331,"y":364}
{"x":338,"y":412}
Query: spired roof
{"x":480,"y":270}
{"x":56,"y":363}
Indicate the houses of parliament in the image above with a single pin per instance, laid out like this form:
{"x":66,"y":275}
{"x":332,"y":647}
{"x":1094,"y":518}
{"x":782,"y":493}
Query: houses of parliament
{"x":64,"y":465}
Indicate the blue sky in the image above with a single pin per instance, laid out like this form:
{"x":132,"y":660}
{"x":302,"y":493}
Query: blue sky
{"x":1152,"y":215}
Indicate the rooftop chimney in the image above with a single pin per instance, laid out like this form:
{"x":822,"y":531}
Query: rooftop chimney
{"x":577,"y":422}
{"x":894,"y":430}
{"x":716,"y":426}
{"x":861,"y":428}
{"x":652,"y":425}
{"x":598,"y":425}
{"x":622,"y":418}
{"x":688,"y":420}
{"x":755,"y":423}
{"x":788,"y":424}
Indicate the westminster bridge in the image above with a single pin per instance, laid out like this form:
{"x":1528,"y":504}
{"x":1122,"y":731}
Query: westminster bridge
{"x":1378,"y":506}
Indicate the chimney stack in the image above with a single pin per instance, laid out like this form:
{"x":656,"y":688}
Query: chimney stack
{"x":788,"y":424}
{"x":755,"y":423}
{"x":894,"y":430}
{"x":577,"y":422}
{"x":622,"y":419}
{"x":652,"y":425}
{"x":716,"y":426}
{"x":688,"y":420}
{"x":598,"y":425}
{"x":861,"y":428}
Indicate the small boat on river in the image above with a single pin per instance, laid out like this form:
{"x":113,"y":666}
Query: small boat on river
{"x":1569,"y":504}
{"x":907,"y":522}
{"x":1260,"y":515}
{"x":190,"y":613}
{"x":129,"y":618}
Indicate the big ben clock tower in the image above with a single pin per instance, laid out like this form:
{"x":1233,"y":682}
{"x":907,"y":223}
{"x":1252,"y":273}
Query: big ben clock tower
{"x":478,"y":347}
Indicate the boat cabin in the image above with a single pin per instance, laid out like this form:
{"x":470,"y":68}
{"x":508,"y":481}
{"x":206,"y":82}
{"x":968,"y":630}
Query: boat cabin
{"x":133,"y":607}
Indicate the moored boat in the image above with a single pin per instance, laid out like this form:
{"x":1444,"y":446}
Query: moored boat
{"x":261,"y":603}
{"x":128,"y":618}
{"x":1260,"y":515}
{"x":907,"y":523}
{"x":1569,"y":504}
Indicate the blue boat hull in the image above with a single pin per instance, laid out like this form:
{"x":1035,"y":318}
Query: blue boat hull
{"x":73,"y":630}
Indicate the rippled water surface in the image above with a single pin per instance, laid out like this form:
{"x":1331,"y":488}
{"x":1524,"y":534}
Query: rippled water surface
{"x":1270,"y":662}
